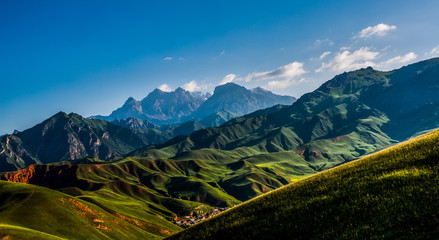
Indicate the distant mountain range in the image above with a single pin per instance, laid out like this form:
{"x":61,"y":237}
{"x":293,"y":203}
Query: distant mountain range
{"x":159,"y":107}
{"x":351,"y":115}
{"x":229,"y":100}
{"x":236,"y":99}
{"x":72,"y":137}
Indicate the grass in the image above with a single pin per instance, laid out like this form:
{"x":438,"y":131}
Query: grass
{"x":28,"y":211}
{"x":14,"y":232}
{"x":392,"y":194}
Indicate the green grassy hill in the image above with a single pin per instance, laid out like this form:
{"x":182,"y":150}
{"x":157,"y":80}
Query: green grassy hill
{"x":32,"y":212}
{"x":392,"y":194}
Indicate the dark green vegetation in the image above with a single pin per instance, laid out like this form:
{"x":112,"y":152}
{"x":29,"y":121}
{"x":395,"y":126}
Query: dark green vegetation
{"x":32,"y":212}
{"x":392,"y":194}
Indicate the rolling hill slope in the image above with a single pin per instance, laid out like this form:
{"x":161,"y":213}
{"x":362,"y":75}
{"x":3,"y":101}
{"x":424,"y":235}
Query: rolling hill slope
{"x":32,"y":212}
{"x":392,"y":194}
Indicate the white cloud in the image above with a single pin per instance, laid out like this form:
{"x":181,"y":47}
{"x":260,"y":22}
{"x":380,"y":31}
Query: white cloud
{"x":167,"y":58}
{"x":288,"y":71}
{"x":193,"y":86}
{"x":435,"y":51}
{"x":165,"y":88}
{"x":324,"y":55}
{"x":346,"y":60}
{"x":320,"y":42}
{"x":228,"y":78}
{"x":180,"y":59}
{"x":378,"y":30}
{"x":398,"y":60}
{"x":281,"y":84}
{"x":222,"y":52}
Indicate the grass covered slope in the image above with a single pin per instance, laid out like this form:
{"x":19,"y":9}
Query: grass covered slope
{"x":392,"y":194}
{"x":32,"y":212}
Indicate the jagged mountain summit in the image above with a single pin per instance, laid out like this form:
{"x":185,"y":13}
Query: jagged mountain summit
{"x":228,"y":101}
{"x":237,"y":99}
{"x":159,"y":107}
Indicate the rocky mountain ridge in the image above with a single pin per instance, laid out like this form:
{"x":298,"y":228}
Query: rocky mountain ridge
{"x":180,"y":106}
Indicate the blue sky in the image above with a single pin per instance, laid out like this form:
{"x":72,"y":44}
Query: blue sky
{"x":88,"y":57}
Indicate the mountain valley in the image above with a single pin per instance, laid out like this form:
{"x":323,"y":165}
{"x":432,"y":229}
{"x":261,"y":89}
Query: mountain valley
{"x":184,"y":171}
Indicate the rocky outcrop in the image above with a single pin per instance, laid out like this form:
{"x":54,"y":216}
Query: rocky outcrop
{"x":54,"y":177}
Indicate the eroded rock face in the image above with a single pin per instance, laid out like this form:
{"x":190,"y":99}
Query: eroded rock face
{"x":13,"y":155}
{"x":22,"y":176}
{"x":51,"y":176}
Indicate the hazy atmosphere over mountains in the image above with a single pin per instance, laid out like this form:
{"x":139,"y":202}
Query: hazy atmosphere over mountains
{"x":219,"y":120}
